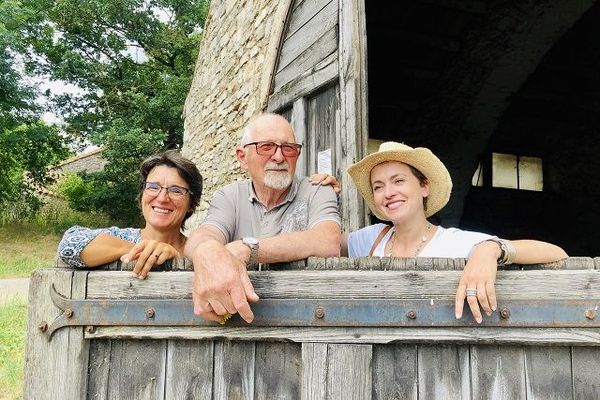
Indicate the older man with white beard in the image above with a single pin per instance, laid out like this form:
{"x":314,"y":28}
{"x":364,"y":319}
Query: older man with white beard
{"x":273,"y":217}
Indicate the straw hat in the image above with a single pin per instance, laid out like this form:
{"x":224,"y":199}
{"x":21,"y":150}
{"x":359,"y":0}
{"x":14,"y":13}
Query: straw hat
{"x":421,"y":158}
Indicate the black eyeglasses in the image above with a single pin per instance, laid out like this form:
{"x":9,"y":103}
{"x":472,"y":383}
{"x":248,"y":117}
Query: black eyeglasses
{"x":270,"y":148}
{"x":174,"y":191}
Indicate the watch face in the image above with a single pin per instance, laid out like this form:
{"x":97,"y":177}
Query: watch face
{"x":250,"y":240}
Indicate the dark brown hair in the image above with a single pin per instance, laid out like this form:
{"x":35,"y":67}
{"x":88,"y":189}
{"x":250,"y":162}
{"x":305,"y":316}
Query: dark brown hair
{"x":186,"y":169}
{"x":422,"y":181}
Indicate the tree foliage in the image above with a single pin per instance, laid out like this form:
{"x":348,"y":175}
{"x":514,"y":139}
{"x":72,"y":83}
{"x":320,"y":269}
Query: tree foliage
{"x":27,"y":145}
{"x":134,"y":61}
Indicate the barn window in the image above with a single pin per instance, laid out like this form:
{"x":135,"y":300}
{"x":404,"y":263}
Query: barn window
{"x":517,"y":172}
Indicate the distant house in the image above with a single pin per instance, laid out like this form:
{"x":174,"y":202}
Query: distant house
{"x":90,"y":161}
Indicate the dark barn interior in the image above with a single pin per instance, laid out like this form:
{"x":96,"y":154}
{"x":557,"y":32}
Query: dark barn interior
{"x":469,"y":79}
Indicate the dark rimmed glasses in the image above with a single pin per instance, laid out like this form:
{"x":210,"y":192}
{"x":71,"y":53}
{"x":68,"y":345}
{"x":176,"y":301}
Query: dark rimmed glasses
{"x":270,"y":148}
{"x":173,"y":191}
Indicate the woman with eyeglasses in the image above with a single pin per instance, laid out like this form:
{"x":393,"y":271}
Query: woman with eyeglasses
{"x":170,"y":190}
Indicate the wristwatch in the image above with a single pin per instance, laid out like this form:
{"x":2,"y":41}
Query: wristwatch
{"x":253,"y":244}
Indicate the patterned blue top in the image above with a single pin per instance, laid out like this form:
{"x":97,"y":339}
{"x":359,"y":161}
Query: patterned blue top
{"x":77,"y":237}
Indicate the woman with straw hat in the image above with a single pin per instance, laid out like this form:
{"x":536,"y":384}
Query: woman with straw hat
{"x":405,"y":186}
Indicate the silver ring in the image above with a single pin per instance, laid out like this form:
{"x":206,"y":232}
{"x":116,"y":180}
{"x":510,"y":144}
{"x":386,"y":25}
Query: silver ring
{"x":471,"y":292}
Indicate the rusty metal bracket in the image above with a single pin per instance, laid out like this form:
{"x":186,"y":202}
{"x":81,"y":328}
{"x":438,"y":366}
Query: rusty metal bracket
{"x":324,"y":312}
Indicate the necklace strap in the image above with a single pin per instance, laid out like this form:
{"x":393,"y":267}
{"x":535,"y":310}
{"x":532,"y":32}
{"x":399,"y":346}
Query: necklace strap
{"x":379,"y":238}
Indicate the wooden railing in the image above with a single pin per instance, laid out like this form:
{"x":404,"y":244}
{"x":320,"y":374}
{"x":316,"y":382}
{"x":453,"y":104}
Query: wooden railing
{"x":335,"y":328}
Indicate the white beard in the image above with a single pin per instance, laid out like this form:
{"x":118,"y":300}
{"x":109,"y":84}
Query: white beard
{"x":278,"y":180}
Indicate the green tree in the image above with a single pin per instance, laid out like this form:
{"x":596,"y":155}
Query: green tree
{"x":134,"y":60}
{"x":27,"y":145}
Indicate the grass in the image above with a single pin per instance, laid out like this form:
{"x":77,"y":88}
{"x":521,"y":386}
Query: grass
{"x":13,"y":316}
{"x":28,"y":242}
{"x":23,"y":249}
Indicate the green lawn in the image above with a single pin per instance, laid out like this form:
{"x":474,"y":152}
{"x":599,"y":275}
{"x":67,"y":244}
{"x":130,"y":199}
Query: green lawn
{"x":13,"y":316}
{"x":23,"y":249}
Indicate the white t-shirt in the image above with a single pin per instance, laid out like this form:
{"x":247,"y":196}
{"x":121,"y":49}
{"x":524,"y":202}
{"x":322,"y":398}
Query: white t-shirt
{"x":446,"y":242}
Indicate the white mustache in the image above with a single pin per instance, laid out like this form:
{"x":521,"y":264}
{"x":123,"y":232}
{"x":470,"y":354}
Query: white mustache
{"x":275,"y":165}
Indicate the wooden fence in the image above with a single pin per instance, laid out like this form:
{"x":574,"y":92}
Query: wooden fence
{"x":326,"y":329}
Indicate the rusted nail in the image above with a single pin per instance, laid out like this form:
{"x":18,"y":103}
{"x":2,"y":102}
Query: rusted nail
{"x":505,"y":313}
{"x":91,"y":329}
{"x":43,"y":326}
{"x":150,"y":312}
{"x":68,"y":313}
{"x":411,"y":314}
{"x":319,"y":313}
{"x":591,"y":314}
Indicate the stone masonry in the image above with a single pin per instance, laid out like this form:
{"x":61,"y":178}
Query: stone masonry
{"x":229,"y":87}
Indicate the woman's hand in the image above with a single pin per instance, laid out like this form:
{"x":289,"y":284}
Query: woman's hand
{"x":479,"y":274}
{"x":325,"y":180}
{"x":149,"y":253}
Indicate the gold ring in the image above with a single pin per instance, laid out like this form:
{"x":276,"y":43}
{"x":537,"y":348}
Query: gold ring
{"x":224,"y":318}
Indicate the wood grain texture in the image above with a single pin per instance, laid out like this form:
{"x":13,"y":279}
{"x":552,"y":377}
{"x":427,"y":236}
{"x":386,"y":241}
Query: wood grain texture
{"x":234,"y":370}
{"x":515,"y":285}
{"x":586,"y":376}
{"x":548,"y":374}
{"x":498,"y":372}
{"x":349,"y":371}
{"x":395,"y":373}
{"x":278,"y":370}
{"x":137,"y":369}
{"x":468,"y":335}
{"x":315,"y":53}
{"x":54,"y":369}
{"x":99,"y":369}
{"x":444,"y":372}
{"x":302,"y":13}
{"x":353,"y":106}
{"x":309,"y":33}
{"x":299,"y":122}
{"x":314,"y":371}
{"x":320,"y":75}
{"x":189,"y":369}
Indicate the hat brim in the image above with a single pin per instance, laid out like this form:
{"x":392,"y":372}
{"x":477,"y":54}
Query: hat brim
{"x":440,"y":182}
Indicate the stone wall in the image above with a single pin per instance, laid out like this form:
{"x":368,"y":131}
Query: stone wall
{"x":230,"y":85}
{"x":91,"y":161}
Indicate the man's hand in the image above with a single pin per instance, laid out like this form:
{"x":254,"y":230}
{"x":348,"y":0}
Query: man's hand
{"x":325,"y":180}
{"x":221,"y":284}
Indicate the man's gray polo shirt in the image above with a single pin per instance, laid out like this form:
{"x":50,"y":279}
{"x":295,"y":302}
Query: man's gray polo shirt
{"x":236,"y":211}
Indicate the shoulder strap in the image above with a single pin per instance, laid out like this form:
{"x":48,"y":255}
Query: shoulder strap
{"x":379,"y":238}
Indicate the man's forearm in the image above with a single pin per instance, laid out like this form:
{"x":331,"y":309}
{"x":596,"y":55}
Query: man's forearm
{"x":200,"y":236}
{"x":321,"y":241}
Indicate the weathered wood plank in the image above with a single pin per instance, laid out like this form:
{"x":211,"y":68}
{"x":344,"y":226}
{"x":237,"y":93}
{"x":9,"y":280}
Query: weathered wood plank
{"x":498,"y":372}
{"x":137,"y":369}
{"x":510,"y":285}
{"x":443,"y":372}
{"x":349,"y":371}
{"x":278,"y":369}
{"x":233,"y":370}
{"x":99,"y":369}
{"x":299,"y":122}
{"x":586,"y":376}
{"x":314,"y":371}
{"x":308,"y":34}
{"x":480,"y":335}
{"x":353,"y":105}
{"x":303,"y":13}
{"x":54,"y":369}
{"x":189,"y":372}
{"x":548,"y":373}
{"x":322,"y":126}
{"x":317,"y":52}
{"x":320,"y":75}
{"x":395,"y":372}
